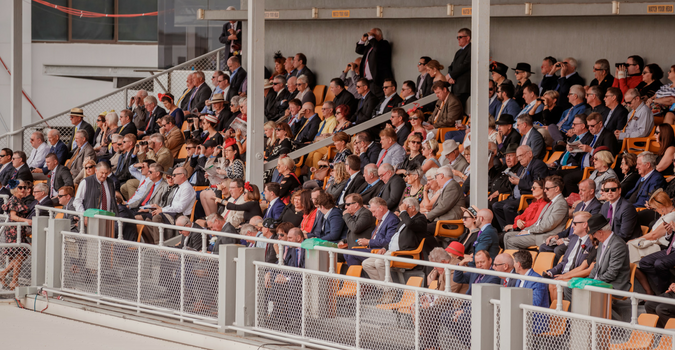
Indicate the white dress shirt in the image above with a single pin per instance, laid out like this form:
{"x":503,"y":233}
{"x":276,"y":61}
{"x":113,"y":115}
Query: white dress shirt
{"x":182,"y":201}
{"x":143,"y":185}
{"x":78,"y":203}
{"x":38,"y":155}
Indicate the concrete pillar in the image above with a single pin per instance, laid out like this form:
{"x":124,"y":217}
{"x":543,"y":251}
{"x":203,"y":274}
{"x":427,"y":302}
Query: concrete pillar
{"x":320,"y":291}
{"x":511,"y":317}
{"x":38,"y":246}
{"x":256,"y":99}
{"x":227,"y":282}
{"x":590,"y":304}
{"x":16,"y":141}
{"x":246,"y":284}
{"x":54,"y":252}
{"x":480,"y":60}
{"x":482,"y":317}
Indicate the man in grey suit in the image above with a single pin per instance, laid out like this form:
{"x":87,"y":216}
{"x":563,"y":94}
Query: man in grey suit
{"x":83,"y":151}
{"x":393,"y":188}
{"x":359,"y":220}
{"x":153,"y":193}
{"x":530,"y":136}
{"x":551,"y":220}
{"x":448,"y":206}
{"x":451,"y":156}
{"x":612,"y":263}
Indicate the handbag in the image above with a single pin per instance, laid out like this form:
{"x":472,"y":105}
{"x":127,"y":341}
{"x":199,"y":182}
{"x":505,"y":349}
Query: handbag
{"x":322,"y":173}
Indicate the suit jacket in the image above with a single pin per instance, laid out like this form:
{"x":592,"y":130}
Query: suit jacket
{"x":564,"y":85}
{"x":228,"y":43}
{"x":193,"y":240}
{"x":653,"y":182}
{"x":47,"y":202}
{"x":512,"y":137}
{"x":539,"y":290}
{"x":152,"y":126}
{"x":273,"y":104}
{"x":6,"y":174}
{"x":402,"y":134}
{"x":551,"y":220}
{"x":424,"y":86}
{"x":90,"y":134}
{"x":625,"y":219}
{"x":618,"y":118}
{"x":449,"y":203}
{"x":511,"y":108}
{"x":125,"y":161}
{"x":575,"y":159}
{"x":73,"y":223}
{"x":471,"y":277}
{"x":593,"y":207}
{"x":62,"y":177}
{"x":76,"y":163}
{"x":365,"y":108}
{"x":393,"y":102}
{"x":311,"y":77}
{"x":127,"y":129}
{"x":460,"y":163}
{"x":156,"y":197}
{"x":445,"y":117}
{"x":354,"y":185}
{"x":614,"y":266}
{"x":162,"y":157}
{"x":558,"y":269}
{"x":494,"y":107}
{"x":333,"y":228}
{"x":360,"y":225}
{"x":227,"y":228}
{"x":371,"y":154}
{"x":392,"y":192}
{"x":275,"y":210}
{"x":377,"y":55}
{"x":382,"y":234}
{"x":536,"y":142}
{"x":406,"y":101}
{"x":488,"y":239}
{"x":460,"y":71}
{"x":369,"y":193}
{"x":62,"y":153}
{"x":548,"y":83}
{"x":308,"y":131}
{"x":536,"y":170}
{"x":415,"y":229}
{"x":198,"y":101}
{"x":140,"y":117}
{"x":606,"y":138}
{"x":346,"y":98}
{"x":235,"y":83}
{"x":24,"y":173}
{"x":174,"y":141}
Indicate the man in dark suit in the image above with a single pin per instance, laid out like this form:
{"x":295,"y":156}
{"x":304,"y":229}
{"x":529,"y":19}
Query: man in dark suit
{"x":155,"y":113}
{"x":275,"y":98}
{"x":6,"y":167}
{"x":77,"y":119}
{"x":603,"y":137}
{"x":530,"y":136}
{"x":459,"y":71}
{"x":612,"y":264}
{"x":532,"y":169}
{"x":126,"y":159}
{"x":368,"y":150}
{"x":650,"y":180}
{"x":387,"y":226}
{"x":408,"y":92}
{"x":578,"y":247}
{"x":333,"y":228}
{"x":231,"y":37}
{"x":424,"y":80}
{"x":310,"y":126}
{"x":237,"y":76}
{"x":621,"y":214}
{"x":488,"y":239}
{"x":300,"y":65}
{"x":40,"y":192}
{"x":128,"y":126}
{"x":376,"y":61}
{"x":342,"y":96}
{"x":393,"y":188}
{"x":367,"y":103}
{"x":355,"y":181}
{"x":57,"y":147}
{"x":508,"y":133}
{"x":618,"y":114}
{"x":360,"y":223}
{"x":373,"y":186}
{"x":549,"y":81}
{"x":399,"y":120}
{"x":276,"y":205}
{"x":483,"y":261}
{"x":58,"y":176}
{"x":390,"y":100}
{"x":568,"y":78}
{"x":21,"y":170}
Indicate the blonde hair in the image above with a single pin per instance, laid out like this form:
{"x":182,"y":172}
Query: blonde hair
{"x":606,"y":157}
{"x":660,"y":200}
{"x":288,"y":163}
{"x":271,"y":125}
{"x":341,"y":173}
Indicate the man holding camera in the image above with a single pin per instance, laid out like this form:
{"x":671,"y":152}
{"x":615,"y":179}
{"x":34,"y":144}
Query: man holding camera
{"x":174,"y":139}
{"x":140,"y":114}
{"x":154,"y":149}
{"x":568,"y":78}
{"x":350,"y":76}
{"x":376,"y":60}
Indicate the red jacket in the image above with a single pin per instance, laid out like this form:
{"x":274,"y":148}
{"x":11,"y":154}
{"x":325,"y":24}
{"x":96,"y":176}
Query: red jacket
{"x":531,"y":214}
{"x":627,"y":83}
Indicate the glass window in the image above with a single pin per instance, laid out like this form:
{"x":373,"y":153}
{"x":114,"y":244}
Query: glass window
{"x":49,"y":24}
{"x":137,"y":28}
{"x":94,"y":29}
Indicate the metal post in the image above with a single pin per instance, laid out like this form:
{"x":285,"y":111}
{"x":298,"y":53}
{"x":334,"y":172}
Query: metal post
{"x":448,"y":279}
{"x":16,"y":78}
{"x":255,"y":65}
{"x":182,"y":285}
{"x":357,"y":324}
{"x":417,"y":319}
{"x":245,"y":305}
{"x":54,"y":253}
{"x":482,"y":326}
{"x":227,"y":283}
{"x":303,"y":310}
{"x":633,"y":310}
{"x":138,"y":279}
{"x":98,"y":268}
{"x":38,"y":250}
{"x":119,"y":228}
{"x":204,"y":246}
{"x":512,"y":317}
{"x":161,"y":236}
{"x":480,"y":57}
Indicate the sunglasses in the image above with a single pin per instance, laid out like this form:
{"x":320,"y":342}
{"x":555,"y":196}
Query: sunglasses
{"x":414,"y":142}
{"x":23,"y":187}
{"x":467,"y":218}
{"x":577,"y":222}
{"x":348,"y":204}
{"x":414,"y":118}
{"x":90,"y":167}
{"x":62,"y":195}
{"x":610,"y":189}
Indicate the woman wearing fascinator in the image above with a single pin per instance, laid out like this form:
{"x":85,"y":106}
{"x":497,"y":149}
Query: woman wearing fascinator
{"x":18,"y":211}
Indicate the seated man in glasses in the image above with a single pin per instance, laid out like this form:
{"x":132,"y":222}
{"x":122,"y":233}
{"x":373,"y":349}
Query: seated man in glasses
{"x":622,"y":216}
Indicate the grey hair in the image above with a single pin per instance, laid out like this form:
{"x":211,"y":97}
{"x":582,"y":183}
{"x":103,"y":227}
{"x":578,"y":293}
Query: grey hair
{"x":572,"y":62}
{"x":242,"y":101}
{"x":525,"y":148}
{"x":39,"y":135}
{"x":214,"y":217}
{"x":632,"y":92}
{"x":235,"y":100}
{"x":412,"y":202}
{"x":143,"y":93}
{"x":303,"y":79}
{"x":387,"y":167}
{"x":116,"y":137}
{"x":648,"y":157}
{"x":184,"y":220}
{"x":56,"y":131}
{"x":157,"y":137}
{"x":378,"y":201}
{"x":42,"y":187}
{"x":607,"y":227}
{"x":371,"y":169}
{"x":578,"y":90}
{"x":415,"y":171}
{"x":445,"y":170}
{"x":112,"y":118}
{"x":150,"y":99}
{"x":438,"y":254}
{"x":103,"y":165}
{"x":246,"y":228}
{"x":281,"y":79}
{"x":431,"y":173}
{"x":82,"y":133}
{"x":595,"y":90}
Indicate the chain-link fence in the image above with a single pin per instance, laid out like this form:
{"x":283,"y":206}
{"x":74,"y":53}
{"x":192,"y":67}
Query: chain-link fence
{"x":172,"y":81}
{"x":358,"y":312}
{"x":152,"y":277}
{"x":497,"y":316}
{"x":15,"y":266}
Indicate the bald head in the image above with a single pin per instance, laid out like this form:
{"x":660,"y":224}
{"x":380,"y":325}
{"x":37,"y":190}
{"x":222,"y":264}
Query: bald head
{"x":503,"y":262}
{"x":485,"y":216}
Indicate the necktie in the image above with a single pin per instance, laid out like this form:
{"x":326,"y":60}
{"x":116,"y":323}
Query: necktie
{"x":366,"y":189}
{"x":501,"y":110}
{"x":478,"y":279}
{"x":297,"y":254}
{"x":609,"y":213}
{"x":670,"y":246}
{"x":323,"y":124}
{"x":382,"y":158}
{"x":583,"y":206}
{"x":104,"y":198}
{"x":182,"y":97}
{"x":74,"y":144}
{"x":361,"y":102}
{"x":576,"y":256}
{"x":629,"y":119}
{"x":51,"y":183}
{"x":303,"y":127}
{"x":72,"y":161}
{"x":586,"y":160}
{"x":16,"y":171}
{"x":504,"y":283}
{"x":560,"y":123}
{"x":149,"y":195}
{"x":376,"y":229}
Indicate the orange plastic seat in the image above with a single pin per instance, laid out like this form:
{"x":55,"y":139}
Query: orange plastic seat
{"x":454,"y":232}
{"x":182,"y":154}
{"x":666,"y":342}
{"x":408,"y":297}
{"x":348,"y":289}
{"x":525,"y":200}
{"x":338,"y":268}
{"x":440,"y":135}
{"x":416,"y":254}
{"x":587,"y":172}
{"x":139,"y":228}
{"x":639,"y":339}
{"x":319,"y":93}
{"x":553,"y":157}
{"x":544,"y":262}
{"x":645,"y":230}
{"x":557,"y":324}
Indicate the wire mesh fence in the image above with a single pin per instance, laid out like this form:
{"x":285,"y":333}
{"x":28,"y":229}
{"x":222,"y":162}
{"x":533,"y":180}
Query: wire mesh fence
{"x":15,"y":266}
{"x":172,"y":81}
{"x":497,"y":314}
{"x":159,"y":278}
{"x":359,"y":313}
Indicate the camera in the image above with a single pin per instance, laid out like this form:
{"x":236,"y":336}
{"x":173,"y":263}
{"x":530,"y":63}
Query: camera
{"x":143,"y":143}
{"x":540,"y":99}
{"x":617,"y":65}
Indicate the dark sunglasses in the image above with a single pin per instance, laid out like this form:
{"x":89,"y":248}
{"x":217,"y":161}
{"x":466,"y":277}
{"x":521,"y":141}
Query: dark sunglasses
{"x":89,"y":167}
{"x":415,"y":142}
{"x":23,"y":187}
{"x":348,"y":204}
{"x":62,"y":195}
{"x":414,"y":118}
{"x":610,"y":189}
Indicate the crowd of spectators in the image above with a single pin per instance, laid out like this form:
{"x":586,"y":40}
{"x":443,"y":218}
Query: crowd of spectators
{"x":558,"y":145}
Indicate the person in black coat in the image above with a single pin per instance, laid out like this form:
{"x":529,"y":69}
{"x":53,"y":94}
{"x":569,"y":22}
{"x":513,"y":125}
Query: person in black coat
{"x":424,"y":80}
{"x":153,"y":120}
{"x":343,"y":97}
{"x":237,"y":76}
{"x":77,"y":119}
{"x":231,"y":37}
{"x":393,"y":188}
{"x":275,"y":98}
{"x":300,"y":65}
{"x":376,"y":59}
{"x":58,"y":177}
{"x":459,"y":70}
{"x":618,"y":114}
{"x":507,"y":132}
{"x":391,"y":98}
{"x":568,"y":78}
{"x":368,"y":150}
{"x":366,"y":105}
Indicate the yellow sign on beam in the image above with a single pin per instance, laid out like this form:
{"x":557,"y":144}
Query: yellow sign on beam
{"x":466,"y":11}
{"x":271,"y":14}
{"x":659,"y":8}
{"x":340,"y":14}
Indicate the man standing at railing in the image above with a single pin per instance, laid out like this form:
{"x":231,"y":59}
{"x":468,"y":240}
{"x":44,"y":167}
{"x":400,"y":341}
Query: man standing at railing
{"x":182,"y":203}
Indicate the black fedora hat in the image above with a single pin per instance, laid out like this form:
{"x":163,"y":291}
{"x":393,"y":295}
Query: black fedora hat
{"x":525,"y":67}
{"x":505,"y":119}
{"x":511,"y":148}
{"x":596,"y":223}
{"x":499,"y":67}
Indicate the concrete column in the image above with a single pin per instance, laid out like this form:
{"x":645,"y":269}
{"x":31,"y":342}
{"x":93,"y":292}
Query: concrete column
{"x":17,"y":74}
{"x":246,"y":284}
{"x":256,"y":99}
{"x":227,"y":282}
{"x":590,"y":304}
{"x":482,"y":316}
{"x":511,"y":317}
{"x":38,"y":246}
{"x":320,"y":292}
{"x":54,"y":256}
{"x":480,"y":60}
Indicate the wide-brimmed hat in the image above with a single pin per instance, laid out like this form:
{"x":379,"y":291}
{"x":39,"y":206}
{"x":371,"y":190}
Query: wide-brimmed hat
{"x":596,"y":223}
{"x":505,"y":119}
{"x":77,"y":112}
{"x":525,"y":67}
{"x":511,"y":148}
{"x":267,"y":84}
{"x":472,"y":210}
{"x":215,"y":99}
{"x":499,"y":67}
{"x":211,"y":118}
{"x":448,"y":147}
{"x":455,"y":248}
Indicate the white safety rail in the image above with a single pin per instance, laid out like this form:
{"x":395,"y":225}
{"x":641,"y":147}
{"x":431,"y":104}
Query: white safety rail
{"x":349,"y":312}
{"x":78,"y":217}
{"x":551,"y":329}
{"x":15,"y":258}
{"x":497,"y":318}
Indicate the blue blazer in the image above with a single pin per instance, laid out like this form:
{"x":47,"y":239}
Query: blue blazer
{"x":317,"y":225}
{"x":61,"y":151}
{"x":275,"y":211}
{"x":291,"y":258}
{"x":470,"y":278}
{"x":540,"y":291}
{"x":333,"y":228}
{"x":511,"y":108}
{"x":654,"y":181}
{"x":387,"y":230}
{"x":580,"y":108}
{"x":558,"y":269}
{"x":494,"y":107}
{"x":593,"y":208}
{"x":488,"y":239}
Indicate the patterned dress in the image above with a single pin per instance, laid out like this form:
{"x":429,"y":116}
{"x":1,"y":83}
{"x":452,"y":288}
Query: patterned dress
{"x":15,"y":204}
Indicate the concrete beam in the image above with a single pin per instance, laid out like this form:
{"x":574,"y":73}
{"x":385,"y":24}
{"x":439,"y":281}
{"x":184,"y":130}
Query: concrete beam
{"x":480,"y":60}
